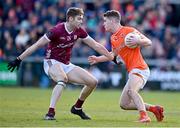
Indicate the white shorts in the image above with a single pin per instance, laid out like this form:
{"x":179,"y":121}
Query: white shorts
{"x":144,"y":73}
{"x":50,"y":62}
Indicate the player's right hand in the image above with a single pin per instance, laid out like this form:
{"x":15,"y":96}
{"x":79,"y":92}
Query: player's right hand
{"x":92,"y":59}
{"x":14,"y":64}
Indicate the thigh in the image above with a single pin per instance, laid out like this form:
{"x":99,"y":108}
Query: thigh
{"x":134,"y":82}
{"x":57,"y":73}
{"x":144,"y":74}
{"x":124,"y":98}
{"x":80,"y":76}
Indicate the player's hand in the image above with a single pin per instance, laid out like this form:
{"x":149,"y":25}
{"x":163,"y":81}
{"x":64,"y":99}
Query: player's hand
{"x":93,"y":59}
{"x":117,"y":60}
{"x":14,"y":64}
{"x":132,"y":40}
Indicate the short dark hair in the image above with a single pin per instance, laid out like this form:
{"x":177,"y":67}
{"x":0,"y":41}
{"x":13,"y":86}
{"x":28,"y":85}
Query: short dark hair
{"x":113,"y":14}
{"x":74,"y":11}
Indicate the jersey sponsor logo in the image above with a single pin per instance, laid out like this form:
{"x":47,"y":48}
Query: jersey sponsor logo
{"x":68,"y":38}
{"x":64,"y":45}
{"x":62,"y":38}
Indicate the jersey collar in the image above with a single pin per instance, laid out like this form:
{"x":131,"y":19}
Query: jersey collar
{"x":65,"y":25}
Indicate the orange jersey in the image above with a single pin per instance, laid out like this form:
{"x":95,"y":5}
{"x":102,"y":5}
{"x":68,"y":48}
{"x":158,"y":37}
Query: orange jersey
{"x":131,"y":57}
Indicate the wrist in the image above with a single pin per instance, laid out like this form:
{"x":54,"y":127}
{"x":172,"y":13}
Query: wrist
{"x":18,"y":58}
{"x":98,"y":59}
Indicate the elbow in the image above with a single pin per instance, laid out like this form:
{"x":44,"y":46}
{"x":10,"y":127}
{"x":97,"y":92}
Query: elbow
{"x":148,"y":42}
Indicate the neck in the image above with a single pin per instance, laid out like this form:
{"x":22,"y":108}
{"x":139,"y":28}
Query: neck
{"x":69,"y":27}
{"x":116,"y":28}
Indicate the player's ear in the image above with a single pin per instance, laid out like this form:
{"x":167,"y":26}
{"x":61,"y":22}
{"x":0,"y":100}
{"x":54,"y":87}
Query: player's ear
{"x":71,"y":18}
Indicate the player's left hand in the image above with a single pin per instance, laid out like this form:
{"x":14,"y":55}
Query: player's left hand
{"x":93,"y":59}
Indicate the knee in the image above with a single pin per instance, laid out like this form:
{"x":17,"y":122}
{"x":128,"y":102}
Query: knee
{"x":123,"y":106}
{"x":93,"y":83}
{"x":62,"y":78}
{"x":65,"y":79}
{"x":130,"y":92}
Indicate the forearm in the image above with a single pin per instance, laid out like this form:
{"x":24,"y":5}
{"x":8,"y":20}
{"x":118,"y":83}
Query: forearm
{"x":103,"y":51}
{"x":28,"y":52}
{"x":145,"y":42}
{"x":103,"y":59}
{"x":116,"y":59}
{"x":41,"y":42}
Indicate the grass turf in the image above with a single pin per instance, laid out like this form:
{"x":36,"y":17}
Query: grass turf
{"x":27,"y":106}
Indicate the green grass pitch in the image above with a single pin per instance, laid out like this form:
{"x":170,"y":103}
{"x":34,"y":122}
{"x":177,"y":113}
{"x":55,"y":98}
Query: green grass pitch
{"x":27,"y":106}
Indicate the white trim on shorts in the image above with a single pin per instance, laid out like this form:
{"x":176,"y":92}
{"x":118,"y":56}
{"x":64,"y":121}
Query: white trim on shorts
{"x":144,"y":73}
{"x":49,"y":62}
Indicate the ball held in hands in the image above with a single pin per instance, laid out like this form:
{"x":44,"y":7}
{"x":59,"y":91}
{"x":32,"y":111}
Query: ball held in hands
{"x":131,"y":40}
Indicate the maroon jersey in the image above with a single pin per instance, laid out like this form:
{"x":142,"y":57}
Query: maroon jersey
{"x":61,"y":42}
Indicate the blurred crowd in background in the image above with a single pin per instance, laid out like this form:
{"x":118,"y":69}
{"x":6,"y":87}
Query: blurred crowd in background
{"x":22,"y":22}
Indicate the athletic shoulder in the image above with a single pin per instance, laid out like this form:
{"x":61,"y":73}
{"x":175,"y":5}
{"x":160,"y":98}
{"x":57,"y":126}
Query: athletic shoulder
{"x":55,"y":31}
{"x":128,"y":28}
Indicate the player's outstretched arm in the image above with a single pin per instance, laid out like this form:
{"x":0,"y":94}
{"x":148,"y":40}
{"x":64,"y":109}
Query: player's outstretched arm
{"x":16,"y":63}
{"x":97,"y":59}
{"x":41,"y":42}
{"x":98,"y":47}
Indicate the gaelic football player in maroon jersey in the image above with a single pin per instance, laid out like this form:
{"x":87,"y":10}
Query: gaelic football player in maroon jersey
{"x":57,"y":65}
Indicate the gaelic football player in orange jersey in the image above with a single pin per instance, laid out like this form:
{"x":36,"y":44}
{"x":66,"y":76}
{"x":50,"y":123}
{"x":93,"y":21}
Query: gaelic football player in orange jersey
{"x":136,"y":66}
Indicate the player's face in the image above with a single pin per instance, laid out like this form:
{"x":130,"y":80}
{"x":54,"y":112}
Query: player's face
{"x":77,"y":21}
{"x":107,"y":24}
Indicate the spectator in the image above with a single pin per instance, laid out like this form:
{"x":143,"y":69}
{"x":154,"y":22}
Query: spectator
{"x":21,"y":40}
